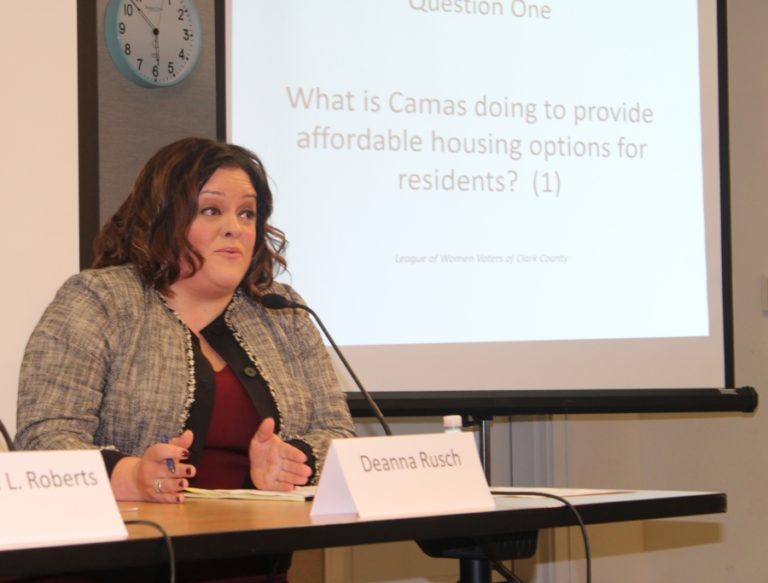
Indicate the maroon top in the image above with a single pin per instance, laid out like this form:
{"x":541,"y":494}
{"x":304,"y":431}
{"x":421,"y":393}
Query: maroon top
{"x":224,"y":464}
{"x":224,"y":461}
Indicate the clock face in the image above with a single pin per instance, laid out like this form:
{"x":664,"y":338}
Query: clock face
{"x":154,"y":43}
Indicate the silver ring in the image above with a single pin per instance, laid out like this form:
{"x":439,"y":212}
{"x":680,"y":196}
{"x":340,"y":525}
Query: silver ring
{"x":158,"y":485}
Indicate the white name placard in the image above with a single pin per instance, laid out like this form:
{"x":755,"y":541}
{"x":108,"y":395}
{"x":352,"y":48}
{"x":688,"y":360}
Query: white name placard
{"x":377,"y":477}
{"x":50,"y":498}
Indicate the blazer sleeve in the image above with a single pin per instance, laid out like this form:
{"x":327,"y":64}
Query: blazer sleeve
{"x":330,"y":413}
{"x":64,"y":371}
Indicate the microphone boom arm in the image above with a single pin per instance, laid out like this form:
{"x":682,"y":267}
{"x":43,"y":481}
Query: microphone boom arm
{"x":278,"y":302}
{"x":374,"y":407}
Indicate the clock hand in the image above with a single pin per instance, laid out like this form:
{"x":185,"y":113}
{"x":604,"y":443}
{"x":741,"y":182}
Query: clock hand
{"x":145,"y":17}
{"x":156,"y":44}
{"x":157,"y":33}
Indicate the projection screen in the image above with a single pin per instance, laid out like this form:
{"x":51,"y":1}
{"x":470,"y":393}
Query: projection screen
{"x":494,"y":195}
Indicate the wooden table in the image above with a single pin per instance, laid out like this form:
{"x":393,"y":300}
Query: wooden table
{"x":221,"y":529}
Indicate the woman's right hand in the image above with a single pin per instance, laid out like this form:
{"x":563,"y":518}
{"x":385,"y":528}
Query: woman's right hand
{"x":148,"y":478}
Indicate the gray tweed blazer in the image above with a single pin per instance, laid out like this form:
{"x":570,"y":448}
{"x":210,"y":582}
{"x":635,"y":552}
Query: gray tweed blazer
{"x":111,"y":366}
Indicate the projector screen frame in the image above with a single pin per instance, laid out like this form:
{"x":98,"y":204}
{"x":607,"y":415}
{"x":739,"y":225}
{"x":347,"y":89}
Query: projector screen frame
{"x":484,"y":404}
{"x":488,"y":404}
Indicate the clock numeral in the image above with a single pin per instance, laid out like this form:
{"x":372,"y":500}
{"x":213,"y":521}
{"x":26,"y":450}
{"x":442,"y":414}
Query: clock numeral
{"x":181,"y":13}
{"x":187,"y":36}
{"x":171,"y":70}
{"x":128,"y":9}
{"x":155,"y":72}
{"x":181,"y":55}
{"x":121,"y":27}
{"x":140,"y":62}
{"x":127,"y":48}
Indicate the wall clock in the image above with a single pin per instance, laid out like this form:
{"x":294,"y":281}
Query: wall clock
{"x":154,"y":43}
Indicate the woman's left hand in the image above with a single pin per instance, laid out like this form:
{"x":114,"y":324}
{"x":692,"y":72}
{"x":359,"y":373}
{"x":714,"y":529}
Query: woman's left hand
{"x":275,"y":464}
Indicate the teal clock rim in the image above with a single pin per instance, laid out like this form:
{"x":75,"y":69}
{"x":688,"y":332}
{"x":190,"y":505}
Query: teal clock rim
{"x":116,"y":53}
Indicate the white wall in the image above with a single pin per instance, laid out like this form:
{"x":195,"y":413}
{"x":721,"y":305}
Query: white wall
{"x":38,"y":117}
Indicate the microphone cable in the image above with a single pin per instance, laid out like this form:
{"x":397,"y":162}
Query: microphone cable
{"x":509,"y":576}
{"x":163,"y":532}
{"x":572,"y":508}
{"x":278,"y":302}
{"x":7,"y":437}
{"x":168,"y":544}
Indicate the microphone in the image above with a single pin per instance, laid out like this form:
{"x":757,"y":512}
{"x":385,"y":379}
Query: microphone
{"x":278,"y":302}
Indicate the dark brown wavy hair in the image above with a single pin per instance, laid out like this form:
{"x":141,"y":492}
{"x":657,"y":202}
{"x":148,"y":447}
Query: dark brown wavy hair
{"x":150,"y":228}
